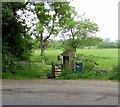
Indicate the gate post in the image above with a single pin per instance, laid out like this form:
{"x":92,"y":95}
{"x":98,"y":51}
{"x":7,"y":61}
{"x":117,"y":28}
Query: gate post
{"x":29,"y":65}
{"x":53,"y":69}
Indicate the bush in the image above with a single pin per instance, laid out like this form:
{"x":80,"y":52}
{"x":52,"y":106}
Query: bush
{"x":8,"y":62}
{"x":65,"y":73}
{"x":115,"y":73}
{"x":88,"y":61}
{"x":85,"y":75}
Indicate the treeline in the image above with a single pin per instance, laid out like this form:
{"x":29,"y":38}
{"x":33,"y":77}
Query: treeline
{"x":108,"y":44}
{"x":59,"y":44}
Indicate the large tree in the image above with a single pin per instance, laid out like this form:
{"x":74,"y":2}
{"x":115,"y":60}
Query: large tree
{"x":51,"y":15}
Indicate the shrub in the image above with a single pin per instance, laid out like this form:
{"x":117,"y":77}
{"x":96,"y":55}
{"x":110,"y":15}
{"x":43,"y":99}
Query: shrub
{"x":88,"y":61}
{"x":115,"y":73}
{"x":8,"y":62}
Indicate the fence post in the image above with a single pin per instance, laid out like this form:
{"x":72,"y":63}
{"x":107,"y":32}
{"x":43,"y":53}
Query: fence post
{"x":75,"y":61}
{"x":53,"y":69}
{"x":29,"y":65}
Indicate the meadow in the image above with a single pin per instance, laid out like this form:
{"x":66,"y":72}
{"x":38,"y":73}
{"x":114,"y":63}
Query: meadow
{"x":106,"y":58}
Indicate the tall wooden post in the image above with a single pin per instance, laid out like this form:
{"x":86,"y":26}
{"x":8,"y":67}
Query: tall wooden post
{"x":29,"y":65}
{"x":53,"y":69}
{"x":75,"y":61}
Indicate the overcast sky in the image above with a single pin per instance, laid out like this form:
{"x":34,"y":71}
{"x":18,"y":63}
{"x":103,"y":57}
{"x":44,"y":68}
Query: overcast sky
{"x":102,"y":12}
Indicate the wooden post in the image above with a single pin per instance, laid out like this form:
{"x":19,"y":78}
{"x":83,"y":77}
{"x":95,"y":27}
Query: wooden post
{"x":53,"y":69}
{"x":70,"y":61}
{"x":75,"y":61}
{"x":29,"y":65}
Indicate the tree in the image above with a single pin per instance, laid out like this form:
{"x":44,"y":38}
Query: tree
{"x":50,"y":16}
{"x":16,"y":43}
{"x":80,"y":33}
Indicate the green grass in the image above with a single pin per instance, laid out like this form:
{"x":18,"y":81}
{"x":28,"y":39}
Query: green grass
{"x":106,"y":58}
{"x":28,"y":71}
{"x":50,"y":54}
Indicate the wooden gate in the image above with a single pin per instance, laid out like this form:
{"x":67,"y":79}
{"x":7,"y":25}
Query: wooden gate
{"x":47,"y":69}
{"x":56,"y":69}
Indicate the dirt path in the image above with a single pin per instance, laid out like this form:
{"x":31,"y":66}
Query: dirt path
{"x":59,"y":92}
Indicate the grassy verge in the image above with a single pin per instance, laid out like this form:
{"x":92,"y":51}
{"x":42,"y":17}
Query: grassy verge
{"x":112,"y":75}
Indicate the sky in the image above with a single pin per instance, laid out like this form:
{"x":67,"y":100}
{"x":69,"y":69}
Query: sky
{"x":102,"y":12}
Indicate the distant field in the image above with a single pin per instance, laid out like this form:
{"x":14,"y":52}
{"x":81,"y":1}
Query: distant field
{"x":106,"y":58}
{"x":50,"y":54}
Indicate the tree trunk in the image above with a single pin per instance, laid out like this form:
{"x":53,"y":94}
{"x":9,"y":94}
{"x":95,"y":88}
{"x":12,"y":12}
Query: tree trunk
{"x":42,"y":48}
{"x":75,"y":61}
{"x":42,"y":51}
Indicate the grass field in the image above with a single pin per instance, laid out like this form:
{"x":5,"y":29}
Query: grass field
{"x":106,"y":58}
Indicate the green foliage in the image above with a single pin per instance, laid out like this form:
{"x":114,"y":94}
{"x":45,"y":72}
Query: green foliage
{"x":80,"y":43}
{"x":65,"y":73}
{"x":51,"y":16}
{"x":14,"y":33}
{"x":85,"y":75}
{"x":71,"y":44}
{"x":89,"y":61}
{"x":8,"y":61}
{"x":115,"y":73}
{"x":55,"y":44}
{"x":80,"y":33}
{"x":15,"y":42}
